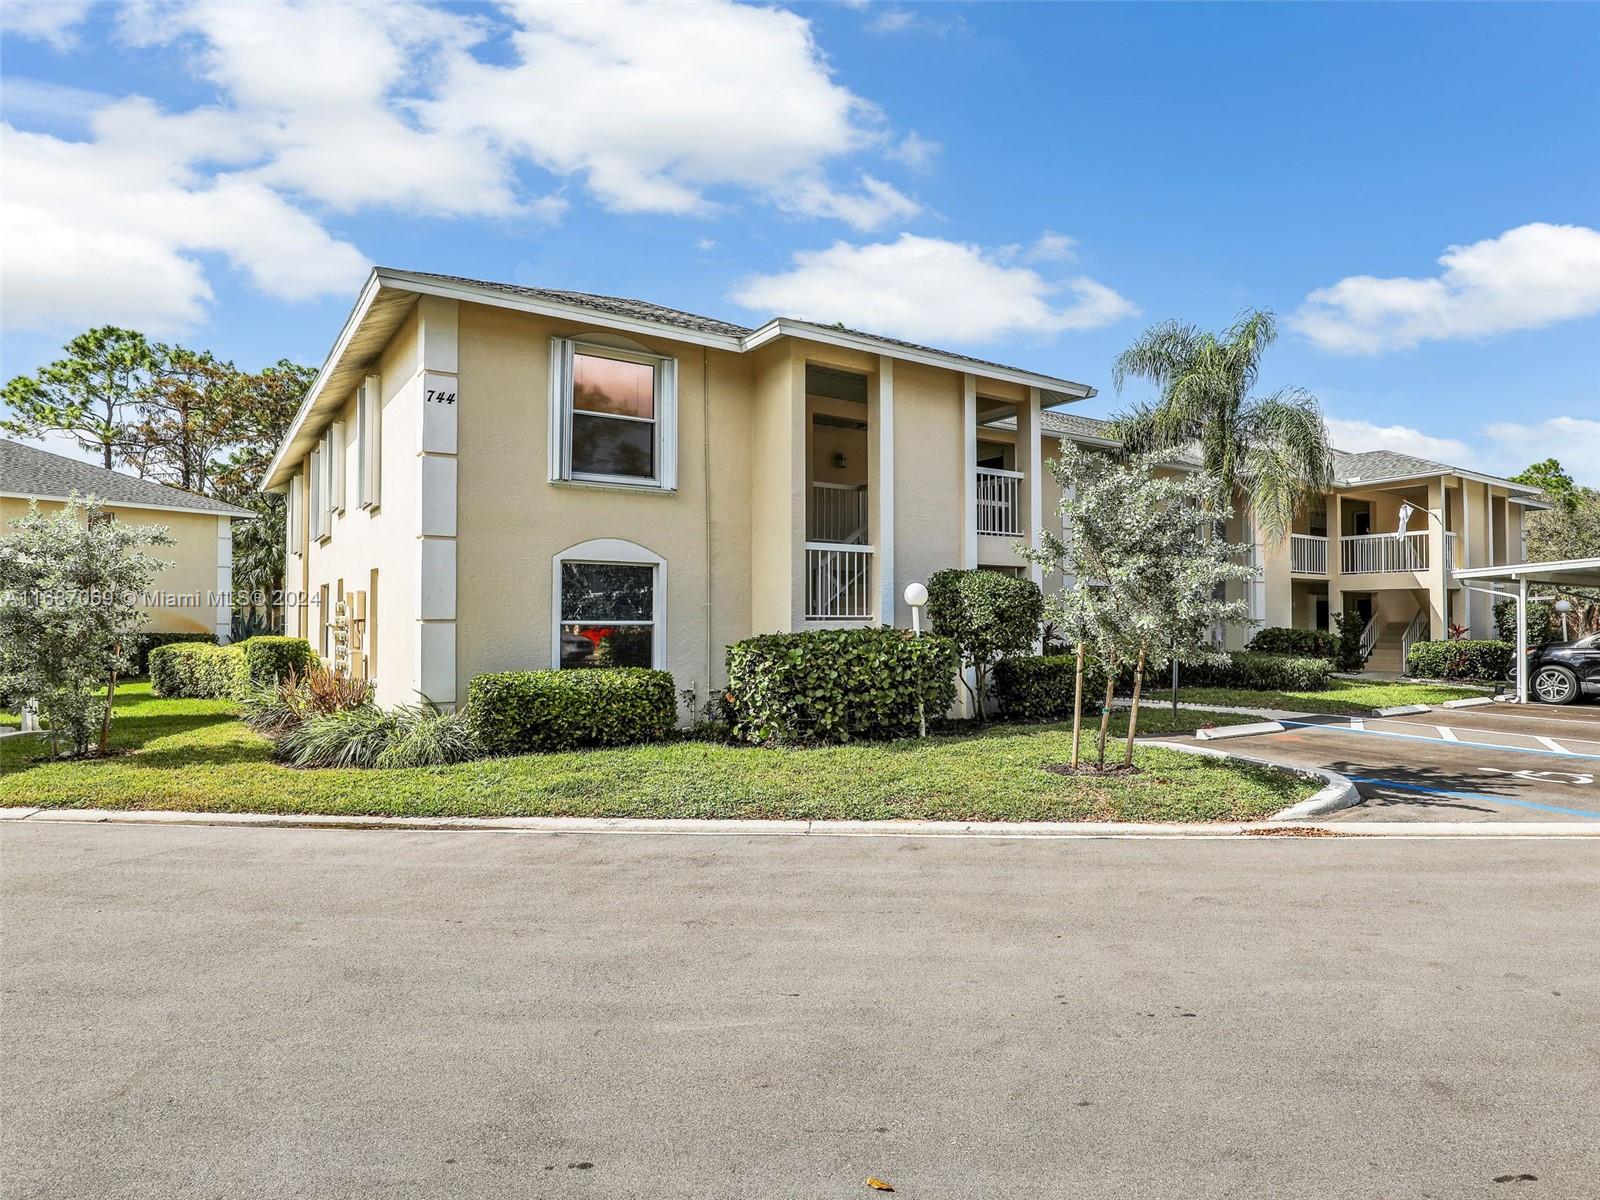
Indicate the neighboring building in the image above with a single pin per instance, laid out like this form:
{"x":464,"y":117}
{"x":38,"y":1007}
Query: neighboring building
{"x":492,"y":477}
{"x":190,"y":596}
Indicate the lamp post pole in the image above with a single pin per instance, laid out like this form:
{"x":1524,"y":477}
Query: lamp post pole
{"x":916,"y":596}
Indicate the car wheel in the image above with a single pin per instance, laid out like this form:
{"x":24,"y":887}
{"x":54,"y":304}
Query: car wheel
{"x":1555,"y":685}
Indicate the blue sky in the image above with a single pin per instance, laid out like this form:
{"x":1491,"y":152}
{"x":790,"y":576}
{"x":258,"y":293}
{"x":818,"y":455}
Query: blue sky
{"x":1415,"y":189}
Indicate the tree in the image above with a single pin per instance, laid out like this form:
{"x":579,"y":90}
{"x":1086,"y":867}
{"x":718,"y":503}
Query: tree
{"x":188,"y":412}
{"x":988,"y":615}
{"x":70,"y":583}
{"x":1144,"y":566}
{"x":1554,"y":482}
{"x":91,"y":393}
{"x":1273,"y":448}
{"x":264,"y":406}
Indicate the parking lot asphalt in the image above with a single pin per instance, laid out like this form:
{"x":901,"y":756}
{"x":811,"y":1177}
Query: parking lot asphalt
{"x":201,"y":1012}
{"x":1489,"y":763}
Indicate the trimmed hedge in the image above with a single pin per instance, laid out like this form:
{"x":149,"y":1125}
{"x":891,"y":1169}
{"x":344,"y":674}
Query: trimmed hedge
{"x":1259,"y":672}
{"x":1301,"y":643}
{"x":142,"y":643}
{"x":1039,"y":687}
{"x":1461,"y":659}
{"x":835,"y":685}
{"x":205,"y":671}
{"x":514,"y":712}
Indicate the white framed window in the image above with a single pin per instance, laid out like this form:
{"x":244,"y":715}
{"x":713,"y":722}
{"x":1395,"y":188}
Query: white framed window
{"x":336,"y":452}
{"x":608,"y":606}
{"x":319,"y":493}
{"x":613,"y":416}
{"x":369,"y":440}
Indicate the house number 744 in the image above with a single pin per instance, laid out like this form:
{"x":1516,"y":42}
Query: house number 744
{"x":440,"y":396}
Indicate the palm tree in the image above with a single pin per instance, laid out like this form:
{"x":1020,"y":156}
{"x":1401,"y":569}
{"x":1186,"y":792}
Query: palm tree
{"x":1274,"y":449}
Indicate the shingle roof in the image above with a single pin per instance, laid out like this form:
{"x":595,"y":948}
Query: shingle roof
{"x":617,"y":306}
{"x":29,"y":471}
{"x":1348,"y":468}
{"x":640,"y":310}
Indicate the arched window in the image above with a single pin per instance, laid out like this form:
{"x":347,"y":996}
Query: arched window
{"x":608,"y":606}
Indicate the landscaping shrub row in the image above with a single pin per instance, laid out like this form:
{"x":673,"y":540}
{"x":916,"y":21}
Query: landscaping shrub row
{"x":836,"y":685}
{"x":1259,"y":672}
{"x":141,"y":644}
{"x":1039,"y":687}
{"x":1461,"y":659}
{"x":205,"y":671}
{"x":1301,"y":643}
{"x":513,"y":712}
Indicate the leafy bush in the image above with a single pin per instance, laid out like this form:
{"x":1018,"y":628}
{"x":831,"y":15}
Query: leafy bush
{"x":1542,"y":622}
{"x":513,"y":712}
{"x":833,"y":685}
{"x":1040,"y":687}
{"x":988,"y":615}
{"x":1460,"y":659}
{"x":1304,"y":643}
{"x":272,"y":658}
{"x":1259,"y":672}
{"x":140,"y":645}
{"x":352,"y":737}
{"x":426,"y":736}
{"x":1352,"y":629}
{"x":199,"y":671}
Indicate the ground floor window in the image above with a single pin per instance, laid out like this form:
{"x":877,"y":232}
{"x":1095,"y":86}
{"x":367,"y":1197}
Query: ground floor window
{"x":609,"y":606}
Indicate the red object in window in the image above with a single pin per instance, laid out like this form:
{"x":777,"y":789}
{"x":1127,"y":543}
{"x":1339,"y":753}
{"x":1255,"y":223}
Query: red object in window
{"x":595,"y":636}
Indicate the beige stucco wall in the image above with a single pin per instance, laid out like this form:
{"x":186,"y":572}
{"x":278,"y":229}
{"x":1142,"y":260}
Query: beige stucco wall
{"x":190,"y":582}
{"x":382,"y":537}
{"x":928,"y":455}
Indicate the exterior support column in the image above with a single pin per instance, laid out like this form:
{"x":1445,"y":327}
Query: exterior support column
{"x":880,"y":490}
{"x":1522,"y":640}
{"x":1438,"y":590}
{"x":1030,"y":461}
{"x":969,"y":472}
{"x":224,"y":624}
{"x":438,"y":396}
{"x":1335,"y":561}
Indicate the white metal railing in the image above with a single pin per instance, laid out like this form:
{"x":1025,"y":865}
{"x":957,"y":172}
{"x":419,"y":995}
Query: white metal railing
{"x":1376,"y":553}
{"x":999,"y":502}
{"x":838,"y":513}
{"x":1308,"y":554}
{"x":838,"y":582}
{"x":1417,"y":631}
{"x":1369,"y":638}
{"x":1449,"y":552}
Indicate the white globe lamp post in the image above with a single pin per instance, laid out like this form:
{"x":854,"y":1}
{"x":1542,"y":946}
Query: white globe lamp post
{"x":1564,"y":607}
{"x":916,"y":596}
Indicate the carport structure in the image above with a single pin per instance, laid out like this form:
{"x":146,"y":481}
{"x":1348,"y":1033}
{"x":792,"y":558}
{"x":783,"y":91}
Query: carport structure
{"x":1517,"y":579}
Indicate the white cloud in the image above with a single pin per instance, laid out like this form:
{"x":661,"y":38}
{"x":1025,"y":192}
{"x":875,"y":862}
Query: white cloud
{"x":1528,"y":277}
{"x":893,"y":20}
{"x":51,"y":21}
{"x":1356,"y":436}
{"x":933,"y":290}
{"x":914,"y":152}
{"x":1575,"y":441}
{"x":666,"y":108}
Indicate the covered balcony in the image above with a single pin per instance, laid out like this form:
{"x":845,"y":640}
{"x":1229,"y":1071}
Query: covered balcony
{"x":839,"y":583}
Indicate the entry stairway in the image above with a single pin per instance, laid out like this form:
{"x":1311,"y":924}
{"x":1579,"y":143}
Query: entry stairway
{"x":1388,"y":652}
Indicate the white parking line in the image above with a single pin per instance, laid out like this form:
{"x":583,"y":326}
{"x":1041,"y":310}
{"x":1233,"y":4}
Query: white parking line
{"x":1447,"y":733}
{"x":1552,"y":744}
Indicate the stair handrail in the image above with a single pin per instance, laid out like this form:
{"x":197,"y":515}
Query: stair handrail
{"x":1369,"y":638}
{"x":1415,"y":632}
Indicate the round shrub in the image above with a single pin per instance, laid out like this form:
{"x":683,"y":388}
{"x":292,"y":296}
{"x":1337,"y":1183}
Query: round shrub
{"x":198,"y":671}
{"x":1460,"y":659}
{"x":514,"y":712}
{"x":835,"y":685}
{"x":988,"y":615}
{"x":1039,"y":687}
{"x":270,"y":658}
{"x":1302,"y":643}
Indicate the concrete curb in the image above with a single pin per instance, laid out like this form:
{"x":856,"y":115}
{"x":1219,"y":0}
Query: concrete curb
{"x":1472,"y":702}
{"x":1239,"y":831}
{"x":1401,"y":710}
{"x":1337,"y":792}
{"x":1232,"y":731}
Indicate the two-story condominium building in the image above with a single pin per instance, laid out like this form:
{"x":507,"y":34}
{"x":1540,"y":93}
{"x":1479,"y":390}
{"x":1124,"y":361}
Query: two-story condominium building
{"x":488,"y":477}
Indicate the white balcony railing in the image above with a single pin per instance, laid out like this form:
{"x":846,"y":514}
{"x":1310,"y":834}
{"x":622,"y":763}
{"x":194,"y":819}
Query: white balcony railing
{"x":1377,"y":553}
{"x":838,"y":582}
{"x":838,"y":513}
{"x":999,"y":502}
{"x":1449,"y":553}
{"x":1308,"y":554}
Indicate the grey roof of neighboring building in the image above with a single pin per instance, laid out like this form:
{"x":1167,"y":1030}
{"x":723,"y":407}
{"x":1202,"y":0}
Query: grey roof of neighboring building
{"x":29,"y":471}
{"x":1367,"y":466}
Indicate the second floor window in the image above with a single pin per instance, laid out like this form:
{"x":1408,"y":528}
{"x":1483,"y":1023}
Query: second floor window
{"x":613,"y":415}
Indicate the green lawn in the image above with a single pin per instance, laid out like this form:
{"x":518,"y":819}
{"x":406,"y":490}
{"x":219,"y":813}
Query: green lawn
{"x":195,"y":755}
{"x":1353,"y":697}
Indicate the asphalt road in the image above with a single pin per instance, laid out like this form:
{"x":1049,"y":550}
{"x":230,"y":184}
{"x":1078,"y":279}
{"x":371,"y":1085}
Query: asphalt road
{"x":1494,"y":763}
{"x":205,"y":1012}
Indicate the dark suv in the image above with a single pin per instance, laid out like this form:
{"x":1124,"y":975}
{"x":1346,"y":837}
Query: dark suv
{"x":1560,"y":672}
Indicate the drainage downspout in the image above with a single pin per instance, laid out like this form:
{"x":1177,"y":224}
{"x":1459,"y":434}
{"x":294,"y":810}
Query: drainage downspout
{"x":705,"y":440}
